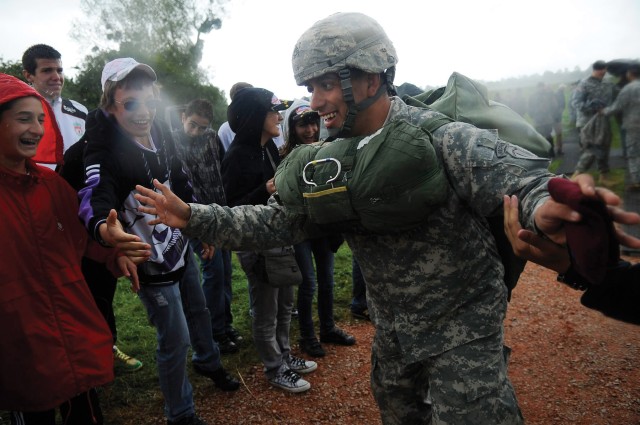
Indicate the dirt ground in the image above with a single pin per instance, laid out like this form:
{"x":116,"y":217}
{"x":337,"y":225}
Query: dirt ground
{"x":569,"y":365}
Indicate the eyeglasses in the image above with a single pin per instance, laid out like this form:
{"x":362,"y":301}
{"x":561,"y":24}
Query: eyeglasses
{"x":133,"y":105}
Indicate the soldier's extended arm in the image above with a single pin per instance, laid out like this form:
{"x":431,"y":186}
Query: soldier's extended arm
{"x":246,"y":227}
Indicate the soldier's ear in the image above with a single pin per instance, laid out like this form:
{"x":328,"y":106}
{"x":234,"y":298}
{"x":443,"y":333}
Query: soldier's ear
{"x":373,"y":83}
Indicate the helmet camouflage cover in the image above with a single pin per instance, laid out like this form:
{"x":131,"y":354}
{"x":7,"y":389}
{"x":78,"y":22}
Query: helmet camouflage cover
{"x":342,"y":40}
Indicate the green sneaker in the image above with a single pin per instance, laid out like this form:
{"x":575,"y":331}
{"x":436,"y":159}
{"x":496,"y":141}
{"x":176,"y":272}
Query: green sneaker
{"x":127,"y":362}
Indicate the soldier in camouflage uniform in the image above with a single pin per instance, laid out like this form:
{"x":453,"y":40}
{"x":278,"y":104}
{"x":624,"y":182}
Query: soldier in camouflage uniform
{"x":436,"y":292}
{"x":628,"y":102}
{"x":590,"y":96}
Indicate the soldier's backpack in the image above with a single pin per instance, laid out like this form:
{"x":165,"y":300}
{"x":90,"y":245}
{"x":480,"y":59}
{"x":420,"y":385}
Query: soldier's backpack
{"x":466,"y":100}
{"x":383,"y":183}
{"x":393,"y":184}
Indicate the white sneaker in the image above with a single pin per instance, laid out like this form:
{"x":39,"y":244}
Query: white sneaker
{"x":290,"y":381}
{"x":299,"y":365}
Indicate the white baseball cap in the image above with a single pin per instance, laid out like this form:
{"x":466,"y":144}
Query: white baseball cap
{"x":118,"y":69}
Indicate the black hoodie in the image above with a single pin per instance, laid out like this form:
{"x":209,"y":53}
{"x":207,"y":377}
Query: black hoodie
{"x":247,"y":165}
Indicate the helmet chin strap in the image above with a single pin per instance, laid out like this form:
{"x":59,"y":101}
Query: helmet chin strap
{"x":354,"y":108}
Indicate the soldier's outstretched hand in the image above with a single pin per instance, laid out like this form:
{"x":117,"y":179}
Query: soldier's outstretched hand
{"x":165,"y":205}
{"x":529,"y":246}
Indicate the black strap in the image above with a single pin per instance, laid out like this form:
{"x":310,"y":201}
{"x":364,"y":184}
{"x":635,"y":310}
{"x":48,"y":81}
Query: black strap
{"x":273,"y":163}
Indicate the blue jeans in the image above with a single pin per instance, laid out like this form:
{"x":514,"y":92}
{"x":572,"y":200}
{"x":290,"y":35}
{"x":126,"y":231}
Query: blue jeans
{"x":228,"y":289}
{"x":271,"y":315}
{"x":180,"y":316}
{"x":306,"y":252}
{"x":359,"y":291}
{"x":216,"y":288}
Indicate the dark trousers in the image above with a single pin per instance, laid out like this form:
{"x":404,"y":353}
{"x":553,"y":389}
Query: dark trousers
{"x":83,"y":409}
{"x":102,"y":285}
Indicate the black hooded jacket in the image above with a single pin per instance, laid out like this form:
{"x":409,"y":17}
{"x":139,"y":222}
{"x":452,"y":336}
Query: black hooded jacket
{"x":247,"y":165}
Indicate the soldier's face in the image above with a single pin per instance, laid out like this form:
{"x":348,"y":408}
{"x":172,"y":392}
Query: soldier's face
{"x":328,"y":100}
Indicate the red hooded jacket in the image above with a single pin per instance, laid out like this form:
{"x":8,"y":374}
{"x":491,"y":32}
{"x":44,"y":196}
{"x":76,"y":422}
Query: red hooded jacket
{"x":54,"y":343}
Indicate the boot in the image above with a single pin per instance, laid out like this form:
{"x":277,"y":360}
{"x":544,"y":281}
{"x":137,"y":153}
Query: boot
{"x":605,"y":180}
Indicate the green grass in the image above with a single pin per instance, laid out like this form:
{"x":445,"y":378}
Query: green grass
{"x":136,"y":337}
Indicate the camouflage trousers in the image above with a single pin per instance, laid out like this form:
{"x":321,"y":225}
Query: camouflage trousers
{"x":591,"y":153}
{"x":632,"y":142}
{"x":465,"y":385}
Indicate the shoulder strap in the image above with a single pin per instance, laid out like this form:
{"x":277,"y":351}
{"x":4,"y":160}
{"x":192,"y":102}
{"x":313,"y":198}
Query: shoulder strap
{"x":432,"y":124}
{"x":273,"y":163}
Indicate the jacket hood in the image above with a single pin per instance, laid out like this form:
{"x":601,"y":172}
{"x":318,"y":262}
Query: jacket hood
{"x":247,"y":112}
{"x":289,"y":114}
{"x":51,"y":145}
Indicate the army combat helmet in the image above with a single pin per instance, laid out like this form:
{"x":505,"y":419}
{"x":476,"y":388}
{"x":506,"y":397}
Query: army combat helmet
{"x":339,"y":43}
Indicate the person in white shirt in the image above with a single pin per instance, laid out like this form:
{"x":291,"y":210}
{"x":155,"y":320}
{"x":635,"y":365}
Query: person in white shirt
{"x":42,"y":68}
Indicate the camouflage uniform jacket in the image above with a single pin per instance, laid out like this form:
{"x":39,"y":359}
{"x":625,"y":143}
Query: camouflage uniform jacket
{"x":589,"y":97}
{"x":432,"y":288}
{"x":628,"y":102}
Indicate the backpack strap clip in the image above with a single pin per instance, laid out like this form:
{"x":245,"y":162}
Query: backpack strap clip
{"x":320,"y":161}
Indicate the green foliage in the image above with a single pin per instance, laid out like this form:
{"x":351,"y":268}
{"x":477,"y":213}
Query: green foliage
{"x":143,"y":27}
{"x":165,"y":35}
{"x":11,"y":67}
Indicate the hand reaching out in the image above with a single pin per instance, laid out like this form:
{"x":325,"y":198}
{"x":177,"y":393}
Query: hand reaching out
{"x":130,"y":245}
{"x":129,"y":270}
{"x":207,"y":251}
{"x":168,"y":208}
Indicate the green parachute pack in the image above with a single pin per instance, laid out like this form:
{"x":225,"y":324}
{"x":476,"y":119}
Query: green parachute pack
{"x":390,"y":181}
{"x":383,"y":183}
{"x":466,"y":100}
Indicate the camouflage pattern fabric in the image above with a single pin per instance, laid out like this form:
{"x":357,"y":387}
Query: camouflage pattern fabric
{"x":434,"y":288}
{"x":632,"y":141}
{"x":589,"y":97}
{"x":466,"y":385}
{"x":595,"y":143}
{"x":628,"y":103}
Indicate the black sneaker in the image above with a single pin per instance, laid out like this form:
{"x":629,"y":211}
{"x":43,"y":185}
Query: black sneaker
{"x":294,"y":313}
{"x":337,"y":336}
{"x":220,"y":377}
{"x":312,"y":347}
{"x":234,"y":336}
{"x":188,"y":420}
{"x":225,"y":344}
{"x":361,"y":314}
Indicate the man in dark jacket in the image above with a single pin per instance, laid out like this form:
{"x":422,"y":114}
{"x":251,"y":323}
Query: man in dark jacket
{"x":127,"y":146}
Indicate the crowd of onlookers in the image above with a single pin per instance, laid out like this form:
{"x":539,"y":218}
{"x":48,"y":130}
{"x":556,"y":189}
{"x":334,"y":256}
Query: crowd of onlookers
{"x":165,"y":203}
{"x":589,"y":104}
{"x":102,"y":154}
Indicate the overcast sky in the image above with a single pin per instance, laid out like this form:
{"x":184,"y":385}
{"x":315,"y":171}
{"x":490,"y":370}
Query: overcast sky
{"x":483,"y":39}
